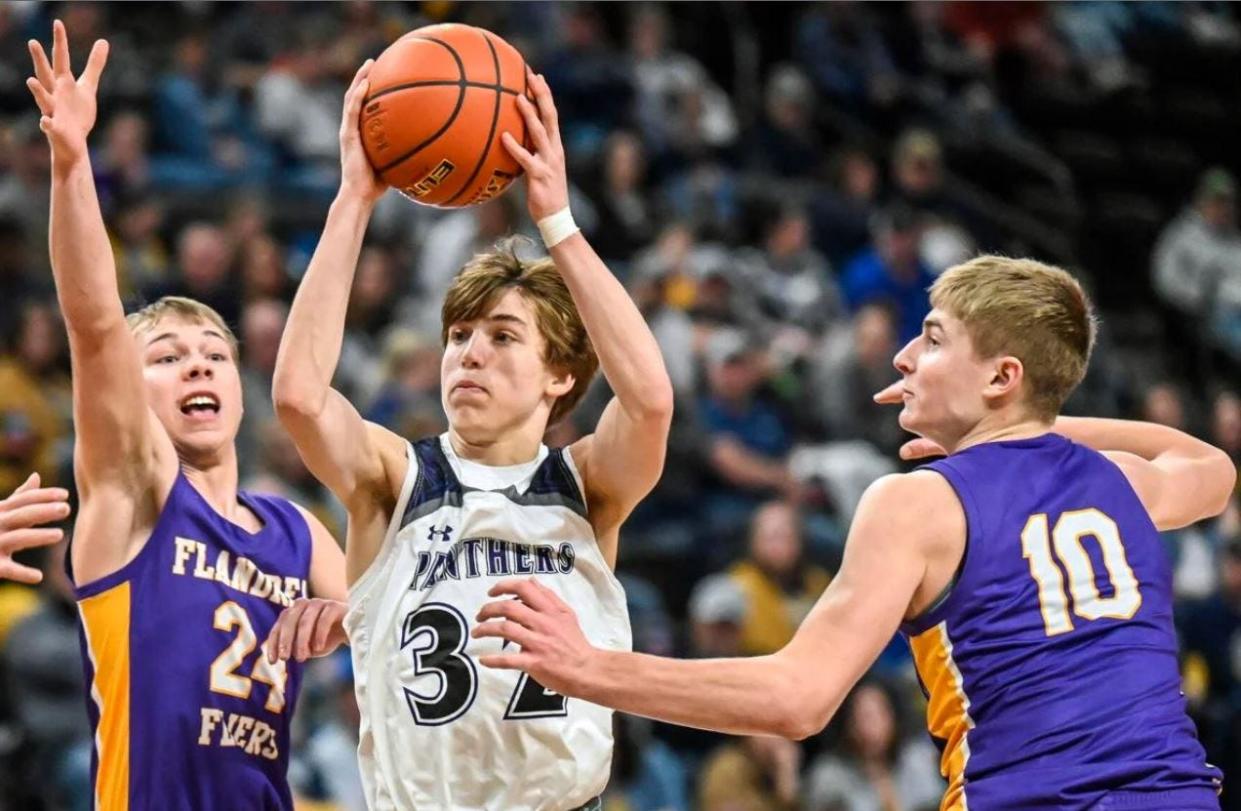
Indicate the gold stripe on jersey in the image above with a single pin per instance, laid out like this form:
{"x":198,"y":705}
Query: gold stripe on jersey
{"x":947,"y":712}
{"x":105,"y":618}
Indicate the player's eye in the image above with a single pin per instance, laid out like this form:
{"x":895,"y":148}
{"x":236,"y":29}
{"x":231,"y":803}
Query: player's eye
{"x":166,"y":359}
{"x":457,"y":335}
{"x":504,"y":337}
{"x":216,"y":356}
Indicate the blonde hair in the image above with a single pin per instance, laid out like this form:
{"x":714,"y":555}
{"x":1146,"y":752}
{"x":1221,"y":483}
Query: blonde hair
{"x":186,"y":309}
{"x":486,"y":278}
{"x":1035,"y":312}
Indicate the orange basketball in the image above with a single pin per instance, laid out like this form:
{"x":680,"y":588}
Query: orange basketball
{"x":438,"y":100}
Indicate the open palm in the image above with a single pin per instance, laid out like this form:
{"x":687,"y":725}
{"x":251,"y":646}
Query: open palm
{"x":68,"y":104}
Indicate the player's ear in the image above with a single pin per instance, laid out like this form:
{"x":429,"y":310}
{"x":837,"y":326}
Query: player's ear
{"x":560,"y":382}
{"x":1007,"y":372}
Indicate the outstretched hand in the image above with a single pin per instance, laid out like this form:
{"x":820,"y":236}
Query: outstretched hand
{"x":547,"y":180}
{"x":356,"y":175}
{"x":68,"y":105}
{"x":20,"y":516}
{"x":919,"y":448}
{"x":554,"y":651}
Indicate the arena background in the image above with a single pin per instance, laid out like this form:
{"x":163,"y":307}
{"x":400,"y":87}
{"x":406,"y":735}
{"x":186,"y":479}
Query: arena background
{"x":776,"y":184}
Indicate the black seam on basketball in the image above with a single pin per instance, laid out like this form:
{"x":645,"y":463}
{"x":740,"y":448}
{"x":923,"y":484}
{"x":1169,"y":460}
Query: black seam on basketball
{"x":495,"y":119}
{"x":441,"y":83}
{"x":460,"y":103}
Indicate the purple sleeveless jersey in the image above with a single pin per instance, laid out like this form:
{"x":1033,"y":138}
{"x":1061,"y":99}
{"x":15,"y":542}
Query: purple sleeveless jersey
{"x":186,"y":712}
{"x":1050,"y":666}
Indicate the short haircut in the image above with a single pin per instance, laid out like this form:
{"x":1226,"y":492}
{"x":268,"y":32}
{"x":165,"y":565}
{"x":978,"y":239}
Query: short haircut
{"x":1030,"y":310}
{"x":184,"y":308}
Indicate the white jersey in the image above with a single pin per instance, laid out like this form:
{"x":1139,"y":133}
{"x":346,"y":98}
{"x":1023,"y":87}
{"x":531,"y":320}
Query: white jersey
{"x":440,"y":732}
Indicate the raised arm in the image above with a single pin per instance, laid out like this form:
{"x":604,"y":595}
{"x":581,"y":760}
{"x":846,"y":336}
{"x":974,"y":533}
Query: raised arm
{"x":624,"y":458}
{"x":1180,"y":479}
{"x":118,"y":441}
{"x":902,"y":523}
{"x":351,"y":456}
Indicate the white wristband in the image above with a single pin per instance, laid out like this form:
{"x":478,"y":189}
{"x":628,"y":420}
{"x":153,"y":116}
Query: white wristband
{"x":558,"y":227}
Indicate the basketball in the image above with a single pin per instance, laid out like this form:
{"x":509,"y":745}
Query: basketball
{"x":439,"y":98}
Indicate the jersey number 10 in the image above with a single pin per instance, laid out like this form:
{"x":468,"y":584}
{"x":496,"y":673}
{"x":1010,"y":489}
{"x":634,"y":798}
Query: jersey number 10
{"x":1066,"y":538}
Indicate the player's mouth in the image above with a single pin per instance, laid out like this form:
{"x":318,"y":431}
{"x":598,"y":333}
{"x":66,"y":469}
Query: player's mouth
{"x":200,"y":406}
{"x":468,"y":385}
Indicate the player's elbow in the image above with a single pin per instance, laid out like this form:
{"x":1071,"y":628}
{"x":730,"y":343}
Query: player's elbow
{"x":294,"y":401}
{"x":802,"y":708}
{"x":1224,"y":473}
{"x":654,"y":403}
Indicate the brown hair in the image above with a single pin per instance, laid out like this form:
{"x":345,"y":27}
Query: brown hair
{"x":1035,"y":312}
{"x":486,"y":278}
{"x":185,"y":308}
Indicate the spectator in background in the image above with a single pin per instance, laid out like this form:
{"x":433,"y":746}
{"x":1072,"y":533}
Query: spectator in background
{"x":280,"y":471}
{"x":35,"y":400}
{"x":852,"y":363}
{"x":1164,"y":403}
{"x":123,"y":167}
{"x":373,"y":305}
{"x":297,"y":106}
{"x":593,"y":87}
{"x":200,"y":126}
{"x":752,"y":774}
{"x":1226,"y":424}
{"x":262,"y":324}
{"x":684,"y":115}
{"x":626,"y":218}
{"x":409,"y":400}
{"x":847,"y":55}
{"x":263,"y":275}
{"x":330,"y":756}
{"x":660,"y":274}
{"x":791,"y":281}
{"x":841,"y":212}
{"x":42,"y":664}
{"x":647,"y":775}
{"x":892,"y":271}
{"x":786,"y":143}
{"x":779,"y":585}
{"x":25,"y":192}
{"x":877,"y":768}
{"x":204,"y":263}
{"x":748,"y":441}
{"x":450,"y":243}
{"x":1198,"y":248}
{"x":142,"y":259}
{"x":1210,"y":636}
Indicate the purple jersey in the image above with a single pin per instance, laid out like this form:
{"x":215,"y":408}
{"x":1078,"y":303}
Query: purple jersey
{"x":1051,"y":665}
{"x":186,"y":712}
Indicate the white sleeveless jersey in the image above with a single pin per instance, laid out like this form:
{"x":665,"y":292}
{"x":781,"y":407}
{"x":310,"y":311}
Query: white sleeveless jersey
{"x":439,"y":731}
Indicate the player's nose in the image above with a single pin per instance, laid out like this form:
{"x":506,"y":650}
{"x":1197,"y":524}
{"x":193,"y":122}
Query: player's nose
{"x":904,"y":360}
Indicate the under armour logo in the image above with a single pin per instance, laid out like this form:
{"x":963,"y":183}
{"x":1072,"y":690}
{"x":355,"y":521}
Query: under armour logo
{"x":445,"y":533}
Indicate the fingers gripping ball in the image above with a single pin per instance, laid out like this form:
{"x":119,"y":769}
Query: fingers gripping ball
{"x":439,"y":99}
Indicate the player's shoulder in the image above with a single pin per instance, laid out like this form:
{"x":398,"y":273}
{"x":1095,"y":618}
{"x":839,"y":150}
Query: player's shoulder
{"x":920,"y":504}
{"x":909,"y":492}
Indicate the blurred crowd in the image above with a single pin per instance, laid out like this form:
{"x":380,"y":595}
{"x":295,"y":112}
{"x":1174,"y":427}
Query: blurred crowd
{"x":777,"y":185}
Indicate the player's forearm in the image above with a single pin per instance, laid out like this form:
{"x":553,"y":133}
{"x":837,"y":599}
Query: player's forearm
{"x":310,"y":346}
{"x":755,"y":696}
{"x":82,"y":262}
{"x":628,"y":354}
{"x":1148,"y":440}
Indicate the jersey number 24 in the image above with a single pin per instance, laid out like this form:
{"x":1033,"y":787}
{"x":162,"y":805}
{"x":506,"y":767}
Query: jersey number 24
{"x":1037,"y":545}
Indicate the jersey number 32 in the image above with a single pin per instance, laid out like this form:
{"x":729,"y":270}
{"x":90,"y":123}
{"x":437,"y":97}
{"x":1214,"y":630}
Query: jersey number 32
{"x":436,"y":635}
